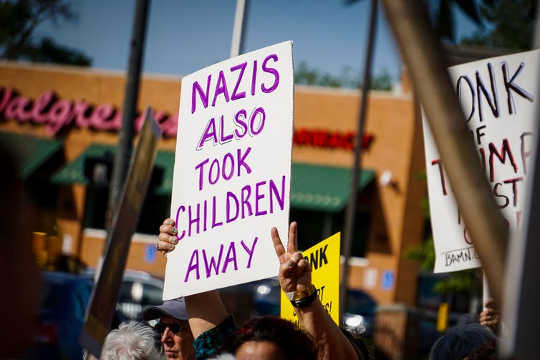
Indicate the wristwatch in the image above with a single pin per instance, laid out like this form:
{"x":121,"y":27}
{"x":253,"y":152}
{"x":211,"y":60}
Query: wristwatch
{"x":300,"y":299}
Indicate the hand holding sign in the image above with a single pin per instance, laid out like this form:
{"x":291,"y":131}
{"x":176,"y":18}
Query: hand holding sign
{"x":490,"y":316}
{"x":167,"y":236}
{"x":294,"y":270}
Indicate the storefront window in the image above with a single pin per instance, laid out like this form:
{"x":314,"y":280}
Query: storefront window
{"x":314,"y":226}
{"x":155,"y":209}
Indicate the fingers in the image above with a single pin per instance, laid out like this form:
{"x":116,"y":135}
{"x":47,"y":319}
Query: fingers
{"x":297,"y":256}
{"x":291,"y":266}
{"x":304,"y":272}
{"x":168,"y":229}
{"x":171,"y":239}
{"x":292,"y":245}
{"x":490,"y":304}
{"x":167,"y":236}
{"x":294,"y":272}
{"x":286,"y":268}
{"x":278,"y":245}
{"x":165,"y":246}
{"x":166,"y":242}
{"x":304,"y":266}
{"x":489,"y":318}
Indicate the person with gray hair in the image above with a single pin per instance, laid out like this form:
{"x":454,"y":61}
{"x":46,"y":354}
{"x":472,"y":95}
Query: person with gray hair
{"x":131,"y":341}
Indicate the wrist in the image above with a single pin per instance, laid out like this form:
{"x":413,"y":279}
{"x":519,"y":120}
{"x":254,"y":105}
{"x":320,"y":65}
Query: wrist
{"x":309,"y":310}
{"x":303,"y":298}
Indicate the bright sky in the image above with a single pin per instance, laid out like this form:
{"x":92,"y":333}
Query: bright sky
{"x":184,"y":36}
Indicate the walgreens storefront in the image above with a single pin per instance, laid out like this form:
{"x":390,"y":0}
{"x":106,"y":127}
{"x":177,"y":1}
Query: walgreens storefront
{"x":63,"y":123}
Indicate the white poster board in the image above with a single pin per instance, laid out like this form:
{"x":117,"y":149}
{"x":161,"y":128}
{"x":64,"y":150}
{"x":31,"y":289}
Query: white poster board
{"x":232,"y":171}
{"x":498,"y":97}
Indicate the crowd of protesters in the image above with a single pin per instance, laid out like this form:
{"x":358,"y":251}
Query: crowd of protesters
{"x":199,"y":326}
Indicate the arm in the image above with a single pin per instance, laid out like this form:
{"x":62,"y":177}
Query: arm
{"x":330,"y":340}
{"x":206,"y":310}
{"x":295,"y":275}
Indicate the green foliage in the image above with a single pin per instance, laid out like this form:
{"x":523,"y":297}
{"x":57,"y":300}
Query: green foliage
{"x":306,"y":75}
{"x":424,"y":255}
{"x":19,"y":20}
{"x":511,"y":25}
{"x":459,"y":281}
{"x":442,"y":14}
{"x":381,"y":81}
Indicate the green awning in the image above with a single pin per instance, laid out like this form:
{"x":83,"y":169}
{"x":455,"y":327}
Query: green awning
{"x":30,"y":152}
{"x":323,"y":188}
{"x":313,"y":187}
{"x":73,"y":173}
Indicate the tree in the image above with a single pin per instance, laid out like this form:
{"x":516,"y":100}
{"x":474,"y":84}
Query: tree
{"x":442,"y":15}
{"x":382,"y":81}
{"x":459,"y":281}
{"x":311,"y":76}
{"x":19,"y":21}
{"x":305,"y":75}
{"x":424,"y":255}
{"x":511,"y":25}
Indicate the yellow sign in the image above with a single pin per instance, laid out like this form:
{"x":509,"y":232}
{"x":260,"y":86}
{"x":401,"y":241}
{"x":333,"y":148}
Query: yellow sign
{"x":442,"y":317}
{"x":325,"y":262}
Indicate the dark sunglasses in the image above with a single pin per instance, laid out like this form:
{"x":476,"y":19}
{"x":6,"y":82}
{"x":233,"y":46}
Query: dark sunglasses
{"x":174,"y":327}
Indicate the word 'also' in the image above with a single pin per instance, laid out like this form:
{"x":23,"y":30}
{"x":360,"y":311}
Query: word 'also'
{"x":217,"y":134}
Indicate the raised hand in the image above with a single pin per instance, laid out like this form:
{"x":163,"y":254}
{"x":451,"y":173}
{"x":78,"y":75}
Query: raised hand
{"x":167,"y":236}
{"x":294,"y":270}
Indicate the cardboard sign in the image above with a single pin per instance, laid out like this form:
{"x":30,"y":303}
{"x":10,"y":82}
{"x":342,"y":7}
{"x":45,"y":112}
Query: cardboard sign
{"x":325,"y":263}
{"x":498,"y":97}
{"x":232,"y":171}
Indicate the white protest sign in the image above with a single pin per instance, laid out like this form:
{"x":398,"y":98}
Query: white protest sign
{"x":232,"y":171}
{"x":498,"y":97}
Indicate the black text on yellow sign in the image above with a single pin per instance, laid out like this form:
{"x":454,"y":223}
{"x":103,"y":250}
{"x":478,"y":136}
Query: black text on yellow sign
{"x":324,"y":259}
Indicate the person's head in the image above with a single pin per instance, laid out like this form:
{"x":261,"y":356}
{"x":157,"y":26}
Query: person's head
{"x":488,"y":351}
{"x":269,"y":338}
{"x":131,"y":341}
{"x":173,"y":328}
{"x":460,"y":342}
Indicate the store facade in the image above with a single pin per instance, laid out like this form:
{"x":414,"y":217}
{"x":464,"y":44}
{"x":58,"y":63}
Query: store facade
{"x":64,"y":123}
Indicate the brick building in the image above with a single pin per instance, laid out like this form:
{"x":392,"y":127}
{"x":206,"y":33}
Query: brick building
{"x":62,"y":122}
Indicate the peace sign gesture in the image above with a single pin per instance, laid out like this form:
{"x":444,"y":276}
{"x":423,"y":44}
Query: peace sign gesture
{"x":294,"y":270}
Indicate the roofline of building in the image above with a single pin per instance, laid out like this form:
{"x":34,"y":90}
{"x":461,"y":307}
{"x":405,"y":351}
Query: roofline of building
{"x":82,"y":69}
{"x":158,"y":76}
{"x":352,"y":92}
